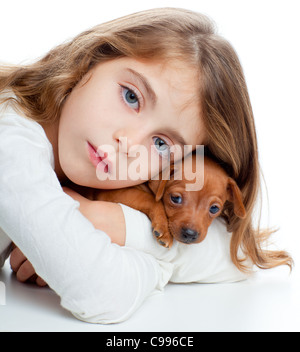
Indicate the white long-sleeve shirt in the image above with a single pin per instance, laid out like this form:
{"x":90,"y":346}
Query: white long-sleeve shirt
{"x":98,"y":281}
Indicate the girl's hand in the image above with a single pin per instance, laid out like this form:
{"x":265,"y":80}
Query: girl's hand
{"x":23,"y":268}
{"x":105,"y":216}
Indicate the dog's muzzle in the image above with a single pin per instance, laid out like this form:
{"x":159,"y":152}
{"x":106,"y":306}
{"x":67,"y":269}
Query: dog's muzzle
{"x":188,"y":235}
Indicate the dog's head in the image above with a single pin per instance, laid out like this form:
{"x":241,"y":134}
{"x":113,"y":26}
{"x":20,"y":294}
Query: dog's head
{"x":190,"y":213}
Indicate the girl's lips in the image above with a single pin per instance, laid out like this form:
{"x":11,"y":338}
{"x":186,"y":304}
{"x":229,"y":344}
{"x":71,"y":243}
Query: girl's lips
{"x":99,"y":162}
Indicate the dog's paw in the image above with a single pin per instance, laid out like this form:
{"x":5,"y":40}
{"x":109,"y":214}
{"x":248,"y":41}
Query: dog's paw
{"x":160,"y":226}
{"x":165,"y":239}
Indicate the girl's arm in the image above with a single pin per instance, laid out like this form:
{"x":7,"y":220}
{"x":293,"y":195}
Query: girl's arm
{"x":105,"y":216}
{"x":97,"y":280}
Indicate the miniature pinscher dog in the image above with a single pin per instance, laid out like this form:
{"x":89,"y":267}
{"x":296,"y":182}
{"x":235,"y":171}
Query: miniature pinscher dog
{"x":176,"y":212}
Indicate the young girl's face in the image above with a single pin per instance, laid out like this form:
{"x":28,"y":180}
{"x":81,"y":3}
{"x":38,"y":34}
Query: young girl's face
{"x":119,"y":124}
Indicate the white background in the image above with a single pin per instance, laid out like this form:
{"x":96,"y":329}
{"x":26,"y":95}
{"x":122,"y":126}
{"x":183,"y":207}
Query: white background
{"x":265,"y":34}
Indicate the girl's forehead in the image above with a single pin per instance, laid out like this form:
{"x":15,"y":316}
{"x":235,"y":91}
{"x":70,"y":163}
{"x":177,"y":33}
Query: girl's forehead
{"x":173,"y":87}
{"x":173,"y":82}
{"x":176,"y":74}
{"x":179,"y":84}
{"x":176,"y":85}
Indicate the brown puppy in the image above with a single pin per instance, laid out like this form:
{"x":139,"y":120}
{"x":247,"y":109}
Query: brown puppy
{"x":176,"y":212}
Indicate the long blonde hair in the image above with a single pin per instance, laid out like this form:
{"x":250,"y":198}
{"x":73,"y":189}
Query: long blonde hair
{"x":41,"y":88}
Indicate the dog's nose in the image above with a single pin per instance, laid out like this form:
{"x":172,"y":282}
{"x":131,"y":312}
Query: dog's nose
{"x":188,"y":235}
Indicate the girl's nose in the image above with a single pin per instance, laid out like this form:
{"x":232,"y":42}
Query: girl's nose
{"x":130,"y":139}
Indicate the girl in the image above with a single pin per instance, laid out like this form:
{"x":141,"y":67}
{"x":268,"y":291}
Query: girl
{"x":158,"y":78}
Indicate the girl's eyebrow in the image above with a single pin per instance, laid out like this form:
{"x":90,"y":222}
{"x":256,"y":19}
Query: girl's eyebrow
{"x":176,"y":135}
{"x":143,"y":80}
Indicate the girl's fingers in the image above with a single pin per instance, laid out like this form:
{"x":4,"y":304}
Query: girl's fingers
{"x":17,"y":258}
{"x":23,"y":268}
{"x":40,"y":282}
{"x":25,"y":271}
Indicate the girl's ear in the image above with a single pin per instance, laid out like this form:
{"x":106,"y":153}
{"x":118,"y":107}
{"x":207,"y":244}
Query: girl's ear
{"x":235,"y":197}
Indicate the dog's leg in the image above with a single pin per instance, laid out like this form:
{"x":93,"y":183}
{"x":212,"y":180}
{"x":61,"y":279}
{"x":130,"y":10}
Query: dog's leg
{"x":146,"y":203}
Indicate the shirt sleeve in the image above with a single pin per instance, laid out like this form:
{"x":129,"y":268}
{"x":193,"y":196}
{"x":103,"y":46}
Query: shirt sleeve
{"x":5,"y":247}
{"x":205,"y":262}
{"x":97,"y":281}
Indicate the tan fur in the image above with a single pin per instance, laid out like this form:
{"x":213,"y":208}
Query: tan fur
{"x":171,"y":220}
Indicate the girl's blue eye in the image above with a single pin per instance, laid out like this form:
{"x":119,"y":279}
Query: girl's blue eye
{"x":214,"y":209}
{"x":162,"y":147}
{"x":176,"y":199}
{"x":130,"y":98}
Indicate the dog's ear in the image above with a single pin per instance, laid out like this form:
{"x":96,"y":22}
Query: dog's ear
{"x":158,"y":188}
{"x":235,"y":197}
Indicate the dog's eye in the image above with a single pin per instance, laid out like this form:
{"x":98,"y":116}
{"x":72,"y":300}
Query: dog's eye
{"x":176,"y":199}
{"x":214,"y":209}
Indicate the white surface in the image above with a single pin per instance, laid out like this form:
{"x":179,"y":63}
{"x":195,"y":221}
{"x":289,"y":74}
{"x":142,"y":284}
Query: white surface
{"x":268,"y":302}
{"x":266,"y":37}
